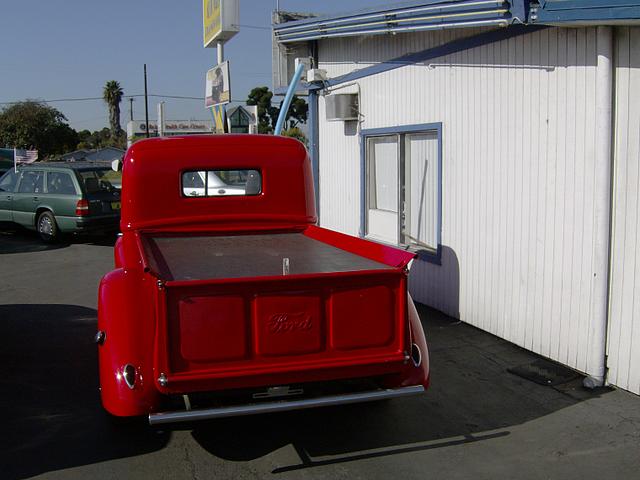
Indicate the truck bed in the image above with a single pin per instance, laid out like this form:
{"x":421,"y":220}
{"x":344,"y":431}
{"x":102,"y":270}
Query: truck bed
{"x":239,"y":256}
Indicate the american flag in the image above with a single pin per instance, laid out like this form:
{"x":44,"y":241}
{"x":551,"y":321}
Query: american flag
{"x":24,"y":156}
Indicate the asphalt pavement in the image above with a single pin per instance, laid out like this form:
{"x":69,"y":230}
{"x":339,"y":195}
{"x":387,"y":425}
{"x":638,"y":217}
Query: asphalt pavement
{"x":477,"y":421}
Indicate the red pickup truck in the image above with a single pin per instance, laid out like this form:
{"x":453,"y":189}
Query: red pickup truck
{"x":227,"y":299}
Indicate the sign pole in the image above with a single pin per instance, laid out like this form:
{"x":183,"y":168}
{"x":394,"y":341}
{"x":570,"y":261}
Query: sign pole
{"x":218,"y":110}
{"x":220,"y":20}
{"x":220,"y":51}
{"x":146,"y":101}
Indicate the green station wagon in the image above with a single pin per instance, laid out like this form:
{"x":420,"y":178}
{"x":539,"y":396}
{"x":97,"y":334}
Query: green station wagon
{"x":56,"y":198}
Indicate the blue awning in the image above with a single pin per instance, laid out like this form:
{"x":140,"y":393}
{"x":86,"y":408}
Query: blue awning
{"x":410,"y":16}
{"x":446,"y":14}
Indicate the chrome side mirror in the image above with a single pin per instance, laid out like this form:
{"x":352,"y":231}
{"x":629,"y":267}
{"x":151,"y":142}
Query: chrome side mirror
{"x":116,"y":165}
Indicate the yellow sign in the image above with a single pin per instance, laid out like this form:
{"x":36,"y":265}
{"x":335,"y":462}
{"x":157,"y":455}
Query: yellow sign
{"x":218,"y":112}
{"x":220,"y":20}
{"x":212,"y":20}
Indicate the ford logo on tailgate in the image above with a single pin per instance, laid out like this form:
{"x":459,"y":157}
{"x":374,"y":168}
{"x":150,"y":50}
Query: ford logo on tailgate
{"x":289,"y":322}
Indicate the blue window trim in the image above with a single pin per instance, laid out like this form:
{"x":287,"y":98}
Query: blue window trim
{"x":426,"y":255}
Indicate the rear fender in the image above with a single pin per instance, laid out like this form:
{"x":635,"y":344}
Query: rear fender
{"x":414,"y":374}
{"x":128,"y":326}
{"x":118,"y":253}
{"x":126,"y":252}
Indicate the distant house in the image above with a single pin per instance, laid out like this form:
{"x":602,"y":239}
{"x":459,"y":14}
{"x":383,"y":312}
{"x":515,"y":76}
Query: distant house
{"x":106,"y":154}
{"x":242,"y":119}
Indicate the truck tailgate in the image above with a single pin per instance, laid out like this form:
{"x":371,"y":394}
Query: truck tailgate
{"x":230,"y":316}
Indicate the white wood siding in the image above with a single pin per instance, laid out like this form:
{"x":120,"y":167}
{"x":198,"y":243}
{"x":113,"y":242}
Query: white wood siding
{"x":518,"y":175}
{"x":624,"y":310}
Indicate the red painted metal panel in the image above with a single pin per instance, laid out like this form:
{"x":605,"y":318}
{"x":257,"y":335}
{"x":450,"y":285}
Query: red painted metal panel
{"x":153,"y":168}
{"x":301,"y":299}
{"x":287,"y":324}
{"x":391,"y":256}
{"x":212,"y":329}
{"x":362,"y":318}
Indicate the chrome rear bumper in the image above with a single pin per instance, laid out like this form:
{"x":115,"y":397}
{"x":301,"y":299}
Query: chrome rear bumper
{"x":281,"y":406}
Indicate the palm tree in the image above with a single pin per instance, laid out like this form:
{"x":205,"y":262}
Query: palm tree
{"x":112,"y":95}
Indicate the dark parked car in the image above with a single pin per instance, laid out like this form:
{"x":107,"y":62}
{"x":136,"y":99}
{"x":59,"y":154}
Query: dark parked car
{"x":56,"y":198}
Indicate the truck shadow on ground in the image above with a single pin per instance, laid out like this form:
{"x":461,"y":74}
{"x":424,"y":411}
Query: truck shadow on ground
{"x":49,"y":402}
{"x":52,"y":417}
{"x":472,"y":399}
{"x":19,"y":240}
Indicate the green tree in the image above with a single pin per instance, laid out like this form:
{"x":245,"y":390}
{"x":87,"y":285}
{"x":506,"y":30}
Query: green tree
{"x":261,"y":96}
{"x":298,"y":111}
{"x":112,"y":95}
{"x":268,"y":113}
{"x":100,"y":138}
{"x":296,"y":133}
{"x":34,"y":125}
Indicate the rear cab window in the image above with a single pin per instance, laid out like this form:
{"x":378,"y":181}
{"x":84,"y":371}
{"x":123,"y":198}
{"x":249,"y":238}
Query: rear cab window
{"x":220,"y":183}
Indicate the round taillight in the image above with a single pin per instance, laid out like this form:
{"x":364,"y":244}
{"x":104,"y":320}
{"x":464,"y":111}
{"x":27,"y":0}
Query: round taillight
{"x":129,"y":375}
{"x":416,"y":355}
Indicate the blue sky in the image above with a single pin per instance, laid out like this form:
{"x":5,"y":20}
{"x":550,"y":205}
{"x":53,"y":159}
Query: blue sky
{"x":55,"y":49}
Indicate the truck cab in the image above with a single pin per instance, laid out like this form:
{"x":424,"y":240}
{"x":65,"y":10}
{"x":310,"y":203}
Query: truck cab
{"x":227,"y":298}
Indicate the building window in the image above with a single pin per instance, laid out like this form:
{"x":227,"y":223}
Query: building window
{"x":402,"y":186}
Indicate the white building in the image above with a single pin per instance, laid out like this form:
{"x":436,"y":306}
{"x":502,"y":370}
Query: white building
{"x":501,"y":140}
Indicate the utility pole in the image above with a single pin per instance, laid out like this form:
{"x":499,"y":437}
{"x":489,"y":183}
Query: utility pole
{"x":131,"y":108}
{"x":146,"y":102}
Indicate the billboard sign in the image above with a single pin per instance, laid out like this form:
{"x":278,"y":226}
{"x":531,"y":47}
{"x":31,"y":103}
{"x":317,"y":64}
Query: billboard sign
{"x":218,"y":87}
{"x":172,"y":127}
{"x":220,"y":20}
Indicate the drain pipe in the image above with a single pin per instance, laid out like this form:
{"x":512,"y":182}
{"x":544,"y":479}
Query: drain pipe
{"x":284,"y":108}
{"x":596,"y":360}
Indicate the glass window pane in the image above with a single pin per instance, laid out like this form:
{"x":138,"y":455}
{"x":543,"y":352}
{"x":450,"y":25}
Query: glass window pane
{"x":8,"y":181}
{"x":193,"y":184}
{"x":109,"y":179}
{"x":32,"y":182}
{"x":96,"y":181}
{"x":421,"y":209}
{"x":220,"y":183}
{"x":60,"y":183}
{"x":383,"y":173}
{"x":382,"y":188}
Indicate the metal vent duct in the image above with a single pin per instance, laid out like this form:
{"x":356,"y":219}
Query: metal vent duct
{"x":341,"y":107}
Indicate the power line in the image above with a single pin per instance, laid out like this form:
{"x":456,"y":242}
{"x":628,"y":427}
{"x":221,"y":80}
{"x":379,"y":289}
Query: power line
{"x":257,"y":27}
{"x":173,"y":96}
{"x":56,"y":100}
{"x":85,"y":99}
